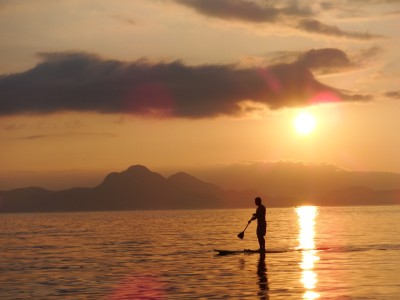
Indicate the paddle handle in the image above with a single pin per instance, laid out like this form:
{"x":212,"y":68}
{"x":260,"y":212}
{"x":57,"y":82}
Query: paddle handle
{"x":248,"y":223}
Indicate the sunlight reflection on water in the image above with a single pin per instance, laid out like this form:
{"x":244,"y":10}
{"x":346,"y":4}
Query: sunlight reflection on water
{"x":306,"y":218}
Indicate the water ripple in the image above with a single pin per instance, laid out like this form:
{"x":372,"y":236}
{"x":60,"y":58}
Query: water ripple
{"x":168,"y":255}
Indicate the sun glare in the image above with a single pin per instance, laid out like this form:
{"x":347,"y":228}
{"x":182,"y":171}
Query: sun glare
{"x":304,"y":123}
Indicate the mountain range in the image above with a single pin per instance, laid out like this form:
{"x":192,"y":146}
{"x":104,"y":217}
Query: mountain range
{"x":138,"y":188}
{"x":295,"y":179}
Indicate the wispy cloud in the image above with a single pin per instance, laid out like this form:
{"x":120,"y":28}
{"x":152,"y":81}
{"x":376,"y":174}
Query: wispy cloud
{"x":14,"y":126}
{"x":315,"y":26}
{"x":245,"y":10}
{"x":393,"y":94}
{"x":126,"y":20}
{"x":285,"y":13}
{"x":35,"y":137}
{"x":70,"y":134}
{"x":85,"y":82}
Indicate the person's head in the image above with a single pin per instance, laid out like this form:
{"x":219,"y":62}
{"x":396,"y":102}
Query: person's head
{"x":257,"y":201}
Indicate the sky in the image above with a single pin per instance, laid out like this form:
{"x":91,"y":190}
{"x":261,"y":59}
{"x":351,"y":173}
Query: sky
{"x":90,"y":87}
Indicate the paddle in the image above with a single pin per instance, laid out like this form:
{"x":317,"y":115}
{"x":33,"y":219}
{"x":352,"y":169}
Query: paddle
{"x":241,"y":235}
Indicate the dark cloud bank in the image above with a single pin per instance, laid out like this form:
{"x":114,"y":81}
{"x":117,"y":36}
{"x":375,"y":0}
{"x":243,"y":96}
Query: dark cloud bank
{"x":85,"y":82}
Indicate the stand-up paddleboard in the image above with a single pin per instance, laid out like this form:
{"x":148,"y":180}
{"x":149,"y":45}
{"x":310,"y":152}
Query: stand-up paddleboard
{"x":246,"y":251}
{"x":249,"y":251}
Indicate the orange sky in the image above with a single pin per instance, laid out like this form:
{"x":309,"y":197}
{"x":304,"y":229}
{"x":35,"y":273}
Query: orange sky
{"x":90,"y":87}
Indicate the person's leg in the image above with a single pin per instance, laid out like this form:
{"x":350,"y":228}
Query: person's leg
{"x":261,"y":231}
{"x":261,"y":242}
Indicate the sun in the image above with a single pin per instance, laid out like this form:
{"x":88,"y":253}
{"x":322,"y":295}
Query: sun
{"x":305,"y":123}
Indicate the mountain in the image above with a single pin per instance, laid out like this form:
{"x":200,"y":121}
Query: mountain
{"x":298,"y":180}
{"x":136,"y":188}
{"x":360,"y":195}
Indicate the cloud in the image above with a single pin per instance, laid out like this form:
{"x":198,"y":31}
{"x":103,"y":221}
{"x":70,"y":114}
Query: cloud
{"x":125,"y":20}
{"x":35,"y":137}
{"x":286,"y":13}
{"x":71,"y":134}
{"x":315,"y":26}
{"x":243,"y":10}
{"x":14,"y":126}
{"x":379,"y":2}
{"x":393,"y":94}
{"x":326,"y":60}
{"x":320,"y":61}
{"x":88,"y":83}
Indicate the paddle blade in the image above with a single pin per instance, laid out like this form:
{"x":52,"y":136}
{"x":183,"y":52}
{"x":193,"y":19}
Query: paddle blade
{"x":241,"y":235}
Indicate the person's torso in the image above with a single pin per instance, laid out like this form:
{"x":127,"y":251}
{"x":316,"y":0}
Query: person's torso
{"x":260,"y":212}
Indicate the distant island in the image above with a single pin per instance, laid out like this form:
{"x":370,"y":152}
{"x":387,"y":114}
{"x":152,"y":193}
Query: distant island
{"x":138,"y":188}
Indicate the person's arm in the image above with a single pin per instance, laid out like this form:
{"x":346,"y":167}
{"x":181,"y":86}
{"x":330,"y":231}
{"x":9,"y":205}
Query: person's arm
{"x":254,"y":217}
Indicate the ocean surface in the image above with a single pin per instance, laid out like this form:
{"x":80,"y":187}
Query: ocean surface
{"x":324,"y":253}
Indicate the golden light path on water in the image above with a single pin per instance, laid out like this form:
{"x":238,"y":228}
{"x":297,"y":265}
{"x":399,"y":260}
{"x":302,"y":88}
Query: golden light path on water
{"x":306,"y":218}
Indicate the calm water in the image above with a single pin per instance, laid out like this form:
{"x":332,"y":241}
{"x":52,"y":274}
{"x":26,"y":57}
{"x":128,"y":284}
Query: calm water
{"x":169,"y":255}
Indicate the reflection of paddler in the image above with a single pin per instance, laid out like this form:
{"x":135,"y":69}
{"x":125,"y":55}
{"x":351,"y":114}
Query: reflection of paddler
{"x":261,"y":223}
{"x":262,"y":276}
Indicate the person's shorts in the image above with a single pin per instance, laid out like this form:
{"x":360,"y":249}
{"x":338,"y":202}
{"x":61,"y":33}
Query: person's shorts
{"x":261,"y":230}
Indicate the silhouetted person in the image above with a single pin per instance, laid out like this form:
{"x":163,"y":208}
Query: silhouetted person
{"x":261,"y":223}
